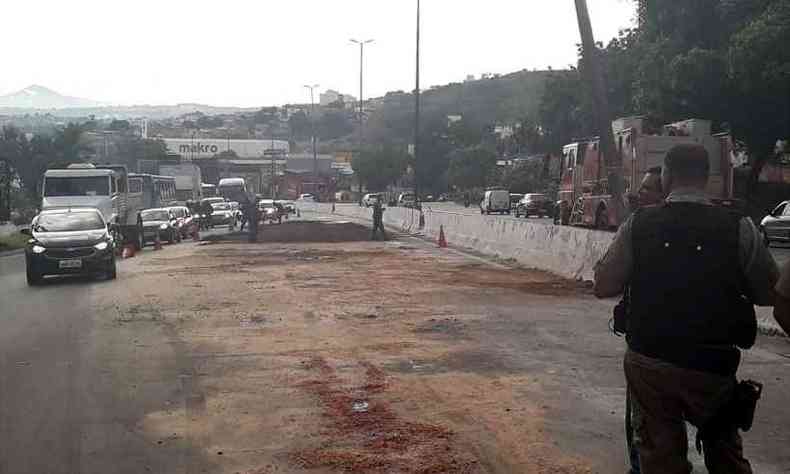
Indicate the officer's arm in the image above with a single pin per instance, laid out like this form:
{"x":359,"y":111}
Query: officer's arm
{"x":757,"y":263}
{"x":613,"y":271}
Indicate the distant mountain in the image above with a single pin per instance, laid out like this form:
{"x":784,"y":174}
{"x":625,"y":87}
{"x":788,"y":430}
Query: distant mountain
{"x":40,"y":97}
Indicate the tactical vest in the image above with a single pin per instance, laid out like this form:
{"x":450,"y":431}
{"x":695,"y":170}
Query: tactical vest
{"x":687,"y":292}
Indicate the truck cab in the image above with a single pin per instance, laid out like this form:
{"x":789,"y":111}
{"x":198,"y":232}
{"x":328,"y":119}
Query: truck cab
{"x":82,"y":186}
{"x":104,"y":187}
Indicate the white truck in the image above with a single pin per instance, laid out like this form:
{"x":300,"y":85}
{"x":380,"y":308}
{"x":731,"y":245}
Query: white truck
{"x":105,"y":188}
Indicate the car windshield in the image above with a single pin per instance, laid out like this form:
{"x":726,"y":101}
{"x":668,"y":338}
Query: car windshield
{"x":69,"y":222}
{"x":77,"y":186}
{"x":149,"y":216}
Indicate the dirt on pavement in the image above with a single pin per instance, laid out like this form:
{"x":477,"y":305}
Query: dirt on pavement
{"x":346,"y":356}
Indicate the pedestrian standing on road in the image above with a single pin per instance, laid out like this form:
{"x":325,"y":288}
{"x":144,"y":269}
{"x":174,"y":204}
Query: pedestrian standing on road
{"x":782,"y":304}
{"x":650,"y":193}
{"x":694,"y":271}
{"x":207,"y":209}
{"x":378,"y":220}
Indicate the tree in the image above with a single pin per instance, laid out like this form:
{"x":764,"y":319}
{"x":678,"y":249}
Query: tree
{"x":333,"y":124}
{"x":378,"y":167}
{"x":470,"y":167}
{"x":118,"y":125}
{"x":761,"y":74}
{"x":300,"y":125}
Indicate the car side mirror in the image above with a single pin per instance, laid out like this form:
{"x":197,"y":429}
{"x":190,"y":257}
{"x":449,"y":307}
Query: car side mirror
{"x":26,"y":231}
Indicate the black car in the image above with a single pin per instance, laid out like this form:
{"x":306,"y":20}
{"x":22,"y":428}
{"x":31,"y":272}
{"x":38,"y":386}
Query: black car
{"x":67,"y":242}
{"x":161,"y":223}
{"x":535,"y":205}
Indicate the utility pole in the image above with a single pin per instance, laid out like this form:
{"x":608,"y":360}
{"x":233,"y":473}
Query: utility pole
{"x":312,"y":124}
{"x":274,"y":155}
{"x":417,"y":115}
{"x":361,"y":77}
{"x":602,"y":115}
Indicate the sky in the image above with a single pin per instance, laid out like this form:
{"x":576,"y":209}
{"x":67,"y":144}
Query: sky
{"x":262,"y":52}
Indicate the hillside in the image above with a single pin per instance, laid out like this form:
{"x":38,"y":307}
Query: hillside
{"x":483,"y":102}
{"x":40,"y":97}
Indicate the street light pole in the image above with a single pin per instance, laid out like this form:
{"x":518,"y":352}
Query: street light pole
{"x":312,"y":124}
{"x":417,"y":114}
{"x":361,"y":44}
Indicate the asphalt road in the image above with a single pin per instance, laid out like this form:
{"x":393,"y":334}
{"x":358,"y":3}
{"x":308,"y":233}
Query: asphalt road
{"x":70,"y":381}
{"x":81,"y":382}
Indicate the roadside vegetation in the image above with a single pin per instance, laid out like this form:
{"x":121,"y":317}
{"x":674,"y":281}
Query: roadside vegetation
{"x":12,"y":241}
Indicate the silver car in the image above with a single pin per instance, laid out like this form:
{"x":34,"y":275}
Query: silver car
{"x":776,"y":225}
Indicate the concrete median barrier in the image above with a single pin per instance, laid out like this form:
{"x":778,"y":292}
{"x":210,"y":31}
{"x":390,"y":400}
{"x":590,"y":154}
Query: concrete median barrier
{"x":566,"y":251}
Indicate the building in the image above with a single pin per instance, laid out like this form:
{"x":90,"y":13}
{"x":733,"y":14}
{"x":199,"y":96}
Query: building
{"x":331,"y":96}
{"x":196,"y":149}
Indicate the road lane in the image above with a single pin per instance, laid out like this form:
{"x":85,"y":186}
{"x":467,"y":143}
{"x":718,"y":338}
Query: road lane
{"x":69,"y":376}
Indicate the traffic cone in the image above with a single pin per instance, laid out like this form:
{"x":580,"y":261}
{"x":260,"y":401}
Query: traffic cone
{"x":442,"y":240}
{"x":128,"y":251}
{"x":157,"y":242}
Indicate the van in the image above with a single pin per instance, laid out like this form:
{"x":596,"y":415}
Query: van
{"x":495,"y":200}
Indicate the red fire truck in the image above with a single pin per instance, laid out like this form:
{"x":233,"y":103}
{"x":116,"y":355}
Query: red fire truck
{"x":584,"y":197}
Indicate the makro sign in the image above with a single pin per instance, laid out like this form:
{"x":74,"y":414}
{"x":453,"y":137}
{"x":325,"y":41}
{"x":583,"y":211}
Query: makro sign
{"x":203,"y":149}
{"x":198,"y":148}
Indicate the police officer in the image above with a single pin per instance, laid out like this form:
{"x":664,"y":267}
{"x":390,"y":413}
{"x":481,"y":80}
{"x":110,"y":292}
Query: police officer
{"x":650,"y":193}
{"x":689,"y":266}
{"x":378,"y":219}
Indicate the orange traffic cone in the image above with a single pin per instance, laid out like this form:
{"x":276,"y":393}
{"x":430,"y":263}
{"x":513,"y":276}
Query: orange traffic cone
{"x":157,"y":242}
{"x":128,"y":251}
{"x":442,"y":240}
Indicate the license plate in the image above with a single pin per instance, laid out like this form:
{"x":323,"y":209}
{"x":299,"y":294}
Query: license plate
{"x":73,"y":263}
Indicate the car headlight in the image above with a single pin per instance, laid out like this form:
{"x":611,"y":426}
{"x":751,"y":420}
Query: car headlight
{"x":101,"y":245}
{"x":163,"y":227}
{"x":39,"y":249}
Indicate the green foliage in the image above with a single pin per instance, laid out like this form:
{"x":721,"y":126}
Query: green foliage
{"x":208,"y":122}
{"x":378,"y":167}
{"x":12,"y":241}
{"x":333,"y":124}
{"x":300,"y":126}
{"x":723,"y":60}
{"x":118,"y":125}
{"x":470,"y":167}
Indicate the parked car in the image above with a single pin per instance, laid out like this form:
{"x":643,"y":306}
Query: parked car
{"x":69,"y":241}
{"x":515,"y":198}
{"x":306,"y":198}
{"x":535,"y":205}
{"x":495,"y":200}
{"x":185,"y":222}
{"x":159,"y":222}
{"x":271,"y":211}
{"x":223,"y":215}
{"x":235,"y":207}
{"x":370,"y":199}
{"x":406,"y":200}
{"x":290,"y":207}
{"x":775,"y":227}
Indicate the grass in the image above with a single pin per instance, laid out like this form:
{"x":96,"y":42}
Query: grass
{"x":12,"y":241}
